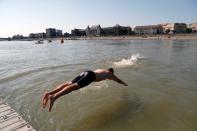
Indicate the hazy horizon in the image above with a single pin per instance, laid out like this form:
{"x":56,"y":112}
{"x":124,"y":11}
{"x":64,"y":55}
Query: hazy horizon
{"x":33,"y":16}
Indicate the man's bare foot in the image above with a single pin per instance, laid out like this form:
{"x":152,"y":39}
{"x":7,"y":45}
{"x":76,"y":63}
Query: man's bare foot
{"x":45,"y":99}
{"x":51,"y":101}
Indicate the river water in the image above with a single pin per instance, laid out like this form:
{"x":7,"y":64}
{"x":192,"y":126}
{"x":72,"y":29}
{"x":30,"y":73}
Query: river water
{"x":161,"y":74}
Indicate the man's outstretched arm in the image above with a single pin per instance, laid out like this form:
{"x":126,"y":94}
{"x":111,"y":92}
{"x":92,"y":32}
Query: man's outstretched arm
{"x":115,"y":78}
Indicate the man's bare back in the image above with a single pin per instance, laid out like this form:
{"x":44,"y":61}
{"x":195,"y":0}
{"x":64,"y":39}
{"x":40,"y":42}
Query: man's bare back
{"x":102,"y":74}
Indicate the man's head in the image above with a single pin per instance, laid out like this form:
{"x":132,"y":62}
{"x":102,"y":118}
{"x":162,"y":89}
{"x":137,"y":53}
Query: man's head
{"x":111,"y":70}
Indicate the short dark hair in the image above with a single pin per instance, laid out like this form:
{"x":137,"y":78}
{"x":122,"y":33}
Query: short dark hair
{"x":111,"y":70}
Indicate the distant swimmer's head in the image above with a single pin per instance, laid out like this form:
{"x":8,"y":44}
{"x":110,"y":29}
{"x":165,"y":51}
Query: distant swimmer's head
{"x":111,"y":70}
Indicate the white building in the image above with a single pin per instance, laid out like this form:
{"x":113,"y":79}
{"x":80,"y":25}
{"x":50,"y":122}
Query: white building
{"x":193,"y":26}
{"x":149,"y":29}
{"x":174,"y":27}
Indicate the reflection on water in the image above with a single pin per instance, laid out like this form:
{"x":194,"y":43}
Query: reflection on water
{"x":161,"y":75}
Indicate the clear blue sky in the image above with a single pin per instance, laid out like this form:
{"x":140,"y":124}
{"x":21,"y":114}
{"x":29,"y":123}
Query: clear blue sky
{"x":31,"y":16}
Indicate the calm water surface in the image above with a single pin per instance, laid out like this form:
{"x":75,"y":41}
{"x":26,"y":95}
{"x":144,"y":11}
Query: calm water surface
{"x":161,"y":96}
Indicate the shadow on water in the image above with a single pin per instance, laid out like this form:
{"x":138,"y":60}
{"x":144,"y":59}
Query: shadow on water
{"x":113,"y":115}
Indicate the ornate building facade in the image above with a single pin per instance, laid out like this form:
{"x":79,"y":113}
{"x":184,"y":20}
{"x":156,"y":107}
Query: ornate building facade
{"x":98,"y":31}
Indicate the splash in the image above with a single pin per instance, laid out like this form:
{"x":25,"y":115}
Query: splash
{"x":128,"y":62}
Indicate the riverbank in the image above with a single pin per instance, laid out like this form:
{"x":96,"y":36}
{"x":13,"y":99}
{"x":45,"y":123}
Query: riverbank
{"x":129,"y":37}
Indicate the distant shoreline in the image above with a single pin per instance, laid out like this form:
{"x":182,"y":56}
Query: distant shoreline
{"x":144,"y":37}
{"x":129,"y":37}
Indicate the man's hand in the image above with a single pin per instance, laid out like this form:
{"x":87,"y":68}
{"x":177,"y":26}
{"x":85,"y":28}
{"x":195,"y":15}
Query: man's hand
{"x":115,"y":78}
{"x":125,"y":84}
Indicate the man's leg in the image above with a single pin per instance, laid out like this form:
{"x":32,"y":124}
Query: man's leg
{"x":64,"y":91}
{"x":57,"y":89}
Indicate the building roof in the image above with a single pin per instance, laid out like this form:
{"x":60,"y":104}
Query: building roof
{"x":50,"y":29}
{"x":117,"y":25}
{"x":79,"y":29}
{"x":109,"y":27}
{"x":149,"y":26}
{"x":95,"y":27}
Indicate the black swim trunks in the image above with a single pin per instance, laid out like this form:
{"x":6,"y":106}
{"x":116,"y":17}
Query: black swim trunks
{"x":84,"y":78}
